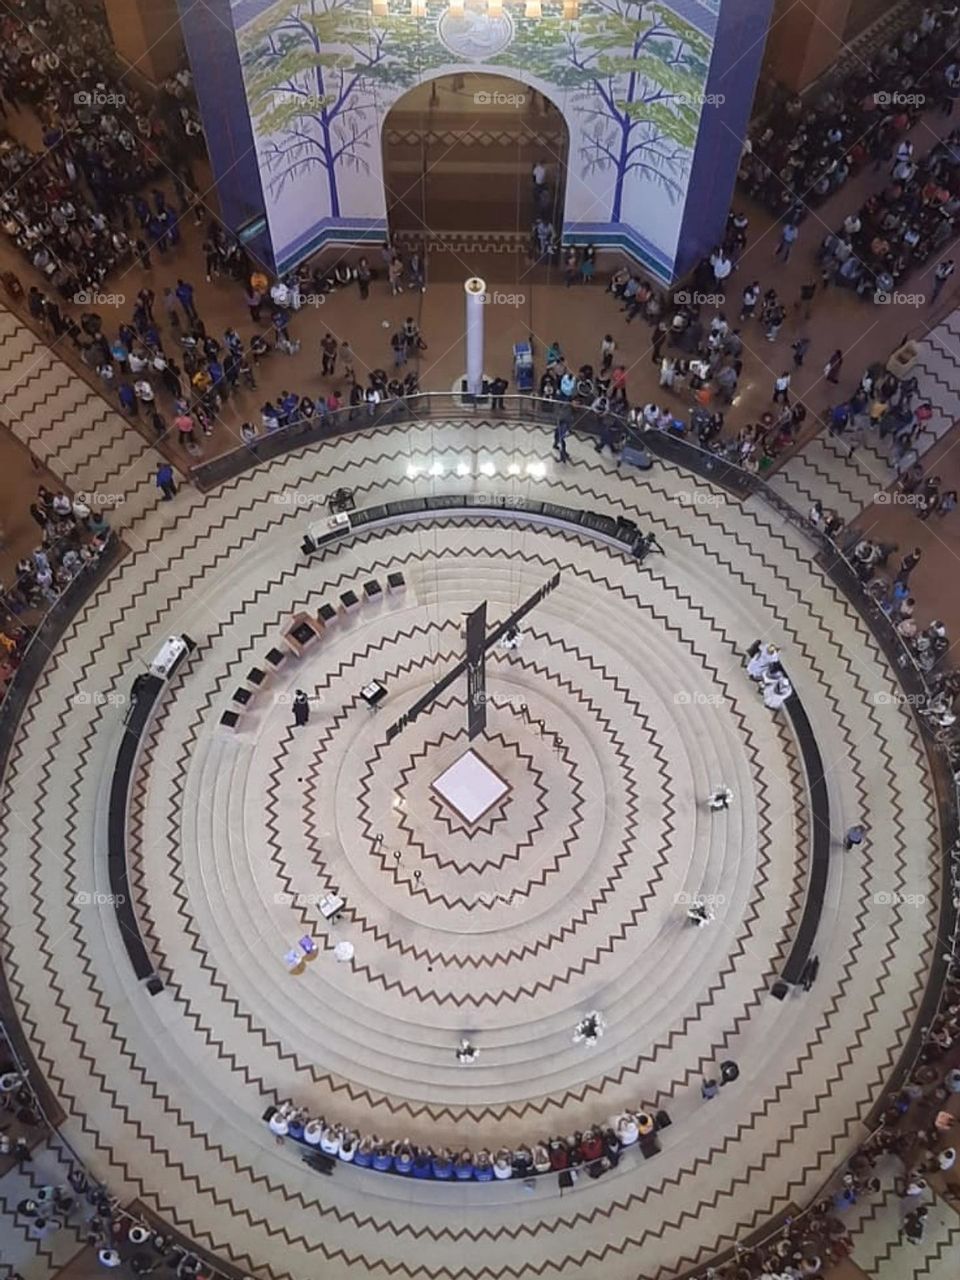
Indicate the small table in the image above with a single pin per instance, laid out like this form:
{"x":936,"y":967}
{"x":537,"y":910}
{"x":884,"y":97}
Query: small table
{"x":373,"y":693}
{"x":331,"y":906}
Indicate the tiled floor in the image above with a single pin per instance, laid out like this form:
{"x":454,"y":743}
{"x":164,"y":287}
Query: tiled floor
{"x":569,"y":895}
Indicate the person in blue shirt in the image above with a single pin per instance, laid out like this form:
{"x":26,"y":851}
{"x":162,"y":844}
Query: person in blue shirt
{"x":128,"y":398}
{"x":165,"y":481}
{"x":184,"y":292}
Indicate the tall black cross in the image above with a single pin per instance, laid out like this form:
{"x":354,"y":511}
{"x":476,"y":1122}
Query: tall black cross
{"x":474,"y":664}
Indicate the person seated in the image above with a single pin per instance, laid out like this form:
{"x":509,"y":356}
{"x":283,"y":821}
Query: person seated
{"x":523,"y":1162}
{"x":403,"y":1157}
{"x":423,"y":1163}
{"x":312,"y":1132}
{"x":503,"y":1164}
{"x":442,"y":1165}
{"x":483,"y":1166}
{"x":348,"y":1146}
{"x":382,"y":1157}
{"x":295,"y":1124}
{"x":463,"y":1166}
{"x":279,"y":1120}
{"x":541,"y":1159}
{"x":591,"y":1145}
{"x":573,"y":1147}
{"x":559,"y":1154}
{"x":330,"y":1140}
{"x":645,"y":1122}
{"x":363,"y":1156}
{"x":626,"y":1128}
{"x":612,"y":1146}
{"x":305,"y":410}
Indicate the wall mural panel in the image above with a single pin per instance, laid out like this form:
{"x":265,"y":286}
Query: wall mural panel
{"x":630,"y":76}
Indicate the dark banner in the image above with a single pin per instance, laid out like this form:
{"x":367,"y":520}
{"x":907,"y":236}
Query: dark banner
{"x":476,"y":671}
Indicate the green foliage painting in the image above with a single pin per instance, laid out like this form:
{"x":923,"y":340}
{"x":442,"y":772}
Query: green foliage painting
{"x":638,"y":71}
{"x":312,"y":69}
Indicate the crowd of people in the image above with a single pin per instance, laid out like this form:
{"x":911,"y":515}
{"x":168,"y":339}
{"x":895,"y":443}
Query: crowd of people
{"x":596,"y":1149}
{"x":914,"y":1144}
{"x":73,"y":537}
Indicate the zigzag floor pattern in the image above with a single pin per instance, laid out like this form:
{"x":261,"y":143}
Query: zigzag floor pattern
{"x":562,"y":905}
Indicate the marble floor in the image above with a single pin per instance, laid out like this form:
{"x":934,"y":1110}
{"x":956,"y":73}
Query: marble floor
{"x":624,"y":705}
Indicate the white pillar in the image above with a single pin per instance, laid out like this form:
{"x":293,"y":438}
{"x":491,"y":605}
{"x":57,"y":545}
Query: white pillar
{"x":476,"y":291}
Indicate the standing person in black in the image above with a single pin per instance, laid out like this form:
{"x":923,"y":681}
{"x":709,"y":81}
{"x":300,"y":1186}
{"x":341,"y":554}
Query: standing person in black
{"x":497,"y":389}
{"x":301,"y":709}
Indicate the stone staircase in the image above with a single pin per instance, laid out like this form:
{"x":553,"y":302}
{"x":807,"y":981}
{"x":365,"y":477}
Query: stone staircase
{"x":70,"y":428}
{"x":22,"y":1251}
{"x":881,"y":1250}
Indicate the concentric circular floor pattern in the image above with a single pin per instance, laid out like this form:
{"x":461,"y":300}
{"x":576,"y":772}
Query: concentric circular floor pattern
{"x":624,"y":705}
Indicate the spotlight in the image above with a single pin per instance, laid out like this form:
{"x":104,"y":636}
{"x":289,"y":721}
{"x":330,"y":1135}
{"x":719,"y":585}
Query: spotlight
{"x":487,"y":469}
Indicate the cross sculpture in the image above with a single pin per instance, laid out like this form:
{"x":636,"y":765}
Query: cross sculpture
{"x":474,"y":664}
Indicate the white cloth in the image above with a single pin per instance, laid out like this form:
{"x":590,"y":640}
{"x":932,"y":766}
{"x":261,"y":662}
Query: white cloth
{"x":760,"y":661}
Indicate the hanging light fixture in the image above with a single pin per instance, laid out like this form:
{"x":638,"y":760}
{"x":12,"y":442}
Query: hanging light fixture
{"x":533,"y":9}
{"x":571,"y":10}
{"x":379,"y":8}
{"x":418,"y":8}
{"x":456,"y":8}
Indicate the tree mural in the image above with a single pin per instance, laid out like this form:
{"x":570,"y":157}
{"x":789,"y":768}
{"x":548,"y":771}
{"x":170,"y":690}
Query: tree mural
{"x":638,"y":71}
{"x":312,"y":70}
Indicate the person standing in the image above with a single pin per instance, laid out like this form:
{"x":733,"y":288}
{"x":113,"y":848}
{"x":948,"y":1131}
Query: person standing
{"x":301,"y":709}
{"x":831,"y":370}
{"x":788,"y":238}
{"x":560,"y":433}
{"x":781,"y":389}
{"x":854,"y":837}
{"x":799,"y":349}
{"x":346,"y":359}
{"x":607,"y":349}
{"x":165,"y":481}
{"x":184,"y":292}
{"x":363,"y":278}
{"x":940,"y":277}
{"x":908,"y":564}
{"x":328,"y":352}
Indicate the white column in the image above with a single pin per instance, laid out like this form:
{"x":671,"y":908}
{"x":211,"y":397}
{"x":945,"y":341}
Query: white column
{"x":476,"y":291}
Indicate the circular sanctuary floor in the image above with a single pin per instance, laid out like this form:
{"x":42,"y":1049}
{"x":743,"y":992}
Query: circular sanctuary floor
{"x":625,"y":703}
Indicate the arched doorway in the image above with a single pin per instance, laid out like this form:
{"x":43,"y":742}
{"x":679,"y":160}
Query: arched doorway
{"x":459,"y":152}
